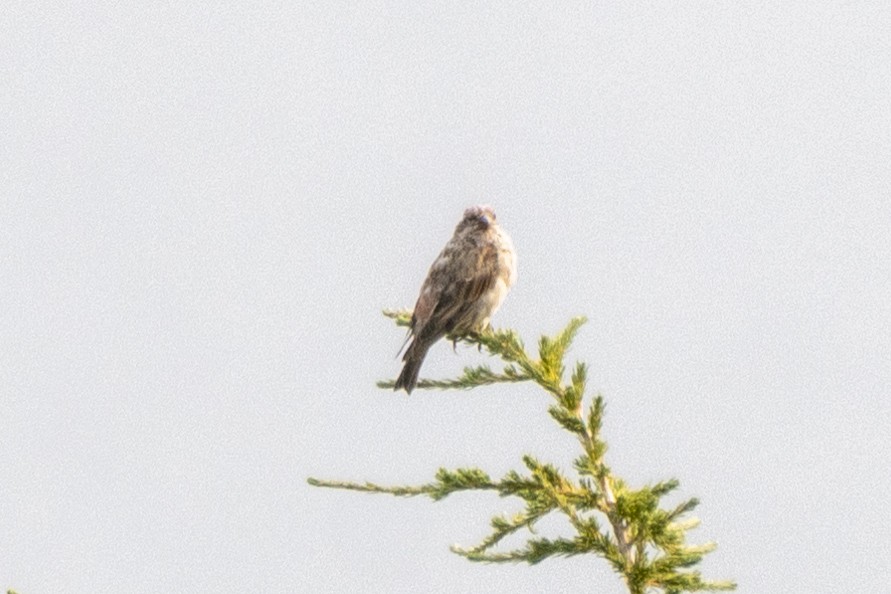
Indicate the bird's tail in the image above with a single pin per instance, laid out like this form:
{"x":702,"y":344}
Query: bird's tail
{"x":413,"y":358}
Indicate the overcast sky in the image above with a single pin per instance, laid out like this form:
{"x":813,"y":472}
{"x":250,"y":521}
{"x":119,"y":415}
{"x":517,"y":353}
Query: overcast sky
{"x":204,"y":207}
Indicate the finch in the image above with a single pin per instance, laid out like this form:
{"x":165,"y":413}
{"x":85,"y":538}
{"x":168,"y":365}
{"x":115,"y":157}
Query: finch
{"x":463,"y":289}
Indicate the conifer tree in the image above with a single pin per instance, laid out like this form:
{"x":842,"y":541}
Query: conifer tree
{"x":643,"y":542}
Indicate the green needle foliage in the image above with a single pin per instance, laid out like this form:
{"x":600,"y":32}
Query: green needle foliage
{"x":644,"y":543}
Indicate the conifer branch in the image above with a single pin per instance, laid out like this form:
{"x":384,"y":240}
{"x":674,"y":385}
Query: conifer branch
{"x":644,"y":543}
{"x":473,"y":377}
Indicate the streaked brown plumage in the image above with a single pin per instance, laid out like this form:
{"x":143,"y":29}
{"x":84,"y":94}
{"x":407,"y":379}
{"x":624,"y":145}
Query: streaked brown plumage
{"x":464,"y":288}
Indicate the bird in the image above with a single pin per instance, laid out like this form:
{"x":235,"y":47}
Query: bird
{"x":464,"y":288}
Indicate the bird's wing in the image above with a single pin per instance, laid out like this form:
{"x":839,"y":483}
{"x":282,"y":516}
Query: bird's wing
{"x":460,"y":294}
{"x":431,"y":292}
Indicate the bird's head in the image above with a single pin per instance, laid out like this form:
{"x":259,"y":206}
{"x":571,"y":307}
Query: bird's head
{"x":479,"y":216}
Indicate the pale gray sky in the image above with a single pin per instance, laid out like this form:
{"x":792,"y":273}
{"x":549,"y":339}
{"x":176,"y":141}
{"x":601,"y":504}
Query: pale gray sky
{"x":204,"y":208}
